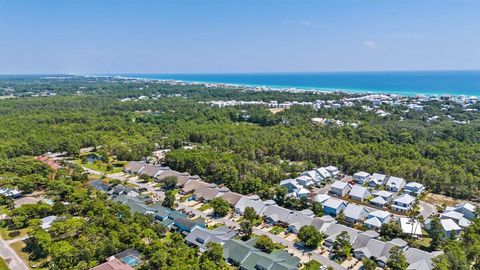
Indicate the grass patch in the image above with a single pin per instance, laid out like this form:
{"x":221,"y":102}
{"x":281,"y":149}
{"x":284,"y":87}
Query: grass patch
{"x":424,"y":243}
{"x":277,"y":230}
{"x":3,"y":264}
{"x":204,"y":207}
{"x":18,"y":247}
{"x":312,"y":265}
{"x":214,"y":226}
{"x":95,"y":167}
{"x":11,"y":234}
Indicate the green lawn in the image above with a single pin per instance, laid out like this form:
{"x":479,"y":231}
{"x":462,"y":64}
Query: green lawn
{"x":424,"y":243}
{"x":312,"y":265}
{"x":214,"y":226}
{"x":10,"y":234}
{"x":93,"y":166}
{"x":204,"y":207}
{"x":3,"y":265}
{"x":277,"y":230}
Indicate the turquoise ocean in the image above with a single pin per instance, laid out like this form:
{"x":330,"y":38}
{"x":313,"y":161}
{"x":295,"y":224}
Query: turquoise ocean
{"x":404,"y":83}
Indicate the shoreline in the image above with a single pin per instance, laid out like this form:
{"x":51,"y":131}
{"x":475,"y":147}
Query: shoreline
{"x":254,"y":87}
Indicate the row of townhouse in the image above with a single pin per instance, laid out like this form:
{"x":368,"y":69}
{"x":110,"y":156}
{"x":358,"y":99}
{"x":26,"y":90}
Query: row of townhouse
{"x":298,"y":187}
{"x":381,"y":198}
{"x":391,"y":183}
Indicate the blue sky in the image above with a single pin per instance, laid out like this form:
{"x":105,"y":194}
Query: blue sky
{"x":197,"y":36}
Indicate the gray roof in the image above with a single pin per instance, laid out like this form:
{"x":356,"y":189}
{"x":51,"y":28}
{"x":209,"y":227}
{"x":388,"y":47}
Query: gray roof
{"x":375,"y":248}
{"x":298,"y":220}
{"x":276,"y":213}
{"x":339,"y":184}
{"x":405,"y":198}
{"x":419,"y":259}
{"x":323,"y":223}
{"x":355,"y":212}
{"x":237,"y":250}
{"x":359,"y":191}
{"x":378,"y":178}
{"x":335,"y":229}
{"x":394,"y":181}
{"x":134,"y":166}
{"x":201,"y":236}
{"x":206,"y":192}
{"x":333,"y":203}
{"x":231,"y":197}
{"x":245,"y":202}
{"x":152,"y":170}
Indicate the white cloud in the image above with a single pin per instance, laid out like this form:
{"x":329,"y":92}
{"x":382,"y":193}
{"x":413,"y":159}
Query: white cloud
{"x":370,"y":44}
{"x":304,"y":23}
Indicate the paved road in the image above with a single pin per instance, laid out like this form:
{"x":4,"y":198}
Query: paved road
{"x":8,"y":254}
{"x":426,"y":209}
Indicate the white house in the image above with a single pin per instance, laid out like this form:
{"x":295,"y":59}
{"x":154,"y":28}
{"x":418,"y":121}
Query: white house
{"x":379,"y":201}
{"x":411,"y":227}
{"x":403,"y":203}
{"x":314,"y":175}
{"x":377,"y":218}
{"x":340,"y":188}
{"x":305,"y":181}
{"x":290,"y":184}
{"x":354,"y":213}
{"x":377,"y":179}
{"x":467,"y":209}
{"x":413,"y":188}
{"x":333,"y":207}
{"x":395,"y":184}
{"x":301,"y":192}
{"x":332,"y":170}
{"x":449,"y":226}
{"x":386,"y":195}
{"x":359,"y":193}
{"x":321,"y":198}
{"x":323,"y":173}
{"x":361,"y":177}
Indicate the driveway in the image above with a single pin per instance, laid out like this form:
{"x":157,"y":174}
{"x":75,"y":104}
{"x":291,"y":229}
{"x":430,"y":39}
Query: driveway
{"x":426,"y":209}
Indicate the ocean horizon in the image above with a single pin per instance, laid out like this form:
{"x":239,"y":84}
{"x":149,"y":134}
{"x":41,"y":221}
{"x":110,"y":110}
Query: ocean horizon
{"x":407,"y":83}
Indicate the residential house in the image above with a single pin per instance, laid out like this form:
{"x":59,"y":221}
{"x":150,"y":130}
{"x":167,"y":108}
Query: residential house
{"x":11,"y":193}
{"x":188,"y":225}
{"x":321,"y":198}
{"x":47,"y":222}
{"x":305,"y":181}
{"x":245,"y":202}
{"x":297,"y":220}
{"x":200,"y":237}
{"x":277,"y":260}
{"x":333,"y":207}
{"x":377,"y":179}
{"x":231,"y":197}
{"x":411,"y":227}
{"x":205,"y":193}
{"x":467,"y":209}
{"x":340,"y":188}
{"x":191,"y":185}
{"x":152,"y":170}
{"x":322,"y":223}
{"x":378,"y":250}
{"x":300,"y":193}
{"x":134,"y":167}
{"x":324,"y":174}
{"x":359,"y":193}
{"x":386,"y":195}
{"x":378,"y":201}
{"x":395,"y":184}
{"x":113,"y":264}
{"x":247,"y":257}
{"x":403,"y":203}
{"x":274,"y":214}
{"x":335,"y":229}
{"x":361,"y":177}
{"x":413,"y":188}
{"x":457,"y":217}
{"x":420,"y":260}
{"x":182,"y":178}
{"x":354,"y":213}
{"x":290,"y":185}
{"x":99,"y":185}
{"x":314,"y":175}
{"x":450,"y":227}
{"x":332,"y":170}
{"x":377,"y":218}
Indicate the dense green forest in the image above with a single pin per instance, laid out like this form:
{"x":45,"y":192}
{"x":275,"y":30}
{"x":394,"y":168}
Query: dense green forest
{"x":248,"y":148}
